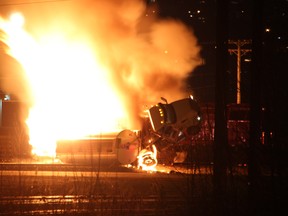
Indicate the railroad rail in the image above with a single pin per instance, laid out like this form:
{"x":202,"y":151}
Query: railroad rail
{"x":80,"y":205}
{"x":61,"y":167}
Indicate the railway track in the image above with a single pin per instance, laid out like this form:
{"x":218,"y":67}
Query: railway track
{"x":92,"y":205}
{"x":90,"y":193}
{"x":62,"y":167}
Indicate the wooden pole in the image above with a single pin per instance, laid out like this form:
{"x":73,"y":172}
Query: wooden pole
{"x":239,"y":52}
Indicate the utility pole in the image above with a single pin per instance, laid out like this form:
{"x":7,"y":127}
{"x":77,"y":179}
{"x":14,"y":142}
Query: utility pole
{"x":239,"y":52}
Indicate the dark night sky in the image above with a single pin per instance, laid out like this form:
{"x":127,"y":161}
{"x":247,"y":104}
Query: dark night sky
{"x":201,"y":16}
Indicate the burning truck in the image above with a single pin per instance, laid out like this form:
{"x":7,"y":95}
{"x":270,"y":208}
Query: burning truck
{"x":164,"y":138}
{"x":170,"y":127}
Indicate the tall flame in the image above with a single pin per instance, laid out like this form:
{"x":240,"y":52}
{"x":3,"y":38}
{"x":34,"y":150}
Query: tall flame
{"x":71,"y":97}
{"x":92,"y":66}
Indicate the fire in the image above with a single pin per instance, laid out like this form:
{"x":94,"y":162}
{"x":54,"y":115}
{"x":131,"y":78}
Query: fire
{"x":91,"y":66}
{"x":147,"y":159}
{"x":72,"y":96}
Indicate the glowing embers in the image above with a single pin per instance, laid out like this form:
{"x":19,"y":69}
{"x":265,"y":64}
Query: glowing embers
{"x":147,"y":159}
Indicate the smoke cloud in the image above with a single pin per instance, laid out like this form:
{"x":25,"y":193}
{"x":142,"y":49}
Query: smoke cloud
{"x":147,"y":57}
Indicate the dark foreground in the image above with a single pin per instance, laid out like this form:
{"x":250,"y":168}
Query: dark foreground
{"x":133,"y":192}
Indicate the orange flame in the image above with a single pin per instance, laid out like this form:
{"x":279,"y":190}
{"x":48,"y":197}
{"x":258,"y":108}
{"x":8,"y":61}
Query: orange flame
{"x":93,"y":66}
{"x":70,"y":91}
{"x":147,"y":159}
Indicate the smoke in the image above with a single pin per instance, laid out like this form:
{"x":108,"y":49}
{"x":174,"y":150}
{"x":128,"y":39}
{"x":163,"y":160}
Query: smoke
{"x":147,"y":57}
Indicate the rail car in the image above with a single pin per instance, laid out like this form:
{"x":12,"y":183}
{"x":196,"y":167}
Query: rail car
{"x":106,"y":149}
